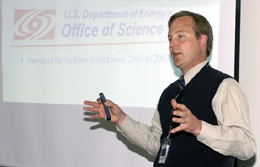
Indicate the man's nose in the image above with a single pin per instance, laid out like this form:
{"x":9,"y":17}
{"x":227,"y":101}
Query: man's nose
{"x":172,"y":43}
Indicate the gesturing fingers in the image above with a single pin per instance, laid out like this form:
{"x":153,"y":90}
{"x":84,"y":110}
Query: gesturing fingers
{"x":188,"y":122}
{"x":95,"y":107}
{"x":91,"y":106}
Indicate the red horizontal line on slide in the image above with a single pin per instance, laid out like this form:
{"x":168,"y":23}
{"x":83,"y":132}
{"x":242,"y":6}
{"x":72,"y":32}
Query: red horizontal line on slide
{"x":62,"y":45}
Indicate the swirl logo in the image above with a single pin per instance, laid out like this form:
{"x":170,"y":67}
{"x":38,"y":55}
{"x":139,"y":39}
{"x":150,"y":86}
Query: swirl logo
{"x":34,"y":24}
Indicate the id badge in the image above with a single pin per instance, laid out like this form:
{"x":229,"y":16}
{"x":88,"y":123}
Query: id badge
{"x":165,"y":150}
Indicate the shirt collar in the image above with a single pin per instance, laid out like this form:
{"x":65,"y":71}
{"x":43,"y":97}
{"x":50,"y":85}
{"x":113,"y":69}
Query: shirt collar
{"x":193,"y":71}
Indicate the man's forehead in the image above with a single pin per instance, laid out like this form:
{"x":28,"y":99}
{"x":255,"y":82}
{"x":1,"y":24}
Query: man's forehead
{"x":182,"y":24}
{"x":183,"y":20}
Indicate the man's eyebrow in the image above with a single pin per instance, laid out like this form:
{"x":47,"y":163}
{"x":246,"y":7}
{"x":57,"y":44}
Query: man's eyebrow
{"x":178,"y":31}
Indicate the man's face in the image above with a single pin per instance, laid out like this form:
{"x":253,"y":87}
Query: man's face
{"x":186,"y":50}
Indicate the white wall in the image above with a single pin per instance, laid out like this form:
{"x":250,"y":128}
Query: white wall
{"x":249,"y":66}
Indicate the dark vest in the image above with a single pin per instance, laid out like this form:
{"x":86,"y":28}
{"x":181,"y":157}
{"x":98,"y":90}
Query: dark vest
{"x":186,"y":150}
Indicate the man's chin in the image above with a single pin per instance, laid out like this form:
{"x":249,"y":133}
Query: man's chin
{"x":177,"y":63}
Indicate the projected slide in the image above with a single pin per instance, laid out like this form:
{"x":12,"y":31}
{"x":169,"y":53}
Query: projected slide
{"x":64,"y":52}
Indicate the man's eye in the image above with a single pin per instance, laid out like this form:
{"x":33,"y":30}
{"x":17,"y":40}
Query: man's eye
{"x":180,"y":36}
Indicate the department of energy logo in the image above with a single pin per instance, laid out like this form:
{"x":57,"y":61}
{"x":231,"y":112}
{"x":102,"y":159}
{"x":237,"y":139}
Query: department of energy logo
{"x":34,"y":24}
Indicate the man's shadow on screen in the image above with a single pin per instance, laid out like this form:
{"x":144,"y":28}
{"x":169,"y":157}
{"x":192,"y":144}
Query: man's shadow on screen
{"x":112,"y":128}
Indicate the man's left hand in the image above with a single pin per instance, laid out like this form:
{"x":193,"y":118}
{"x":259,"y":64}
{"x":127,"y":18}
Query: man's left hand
{"x":188,"y":122}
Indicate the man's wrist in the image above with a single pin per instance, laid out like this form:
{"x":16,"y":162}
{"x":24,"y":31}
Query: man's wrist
{"x":198,"y":129}
{"x":121,"y":119}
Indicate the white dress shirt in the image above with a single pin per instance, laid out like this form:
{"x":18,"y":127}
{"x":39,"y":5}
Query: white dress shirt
{"x":231,"y":137}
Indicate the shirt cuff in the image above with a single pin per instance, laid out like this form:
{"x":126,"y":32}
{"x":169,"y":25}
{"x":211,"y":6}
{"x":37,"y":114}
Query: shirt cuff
{"x":208,"y":134}
{"x":127,"y":126}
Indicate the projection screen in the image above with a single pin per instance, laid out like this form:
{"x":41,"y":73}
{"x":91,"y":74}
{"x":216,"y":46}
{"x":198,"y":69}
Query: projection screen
{"x":57,"y":53}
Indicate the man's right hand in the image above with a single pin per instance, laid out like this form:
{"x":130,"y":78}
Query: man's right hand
{"x":117,"y":115}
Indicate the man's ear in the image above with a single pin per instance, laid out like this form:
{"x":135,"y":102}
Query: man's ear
{"x":203,"y":40}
